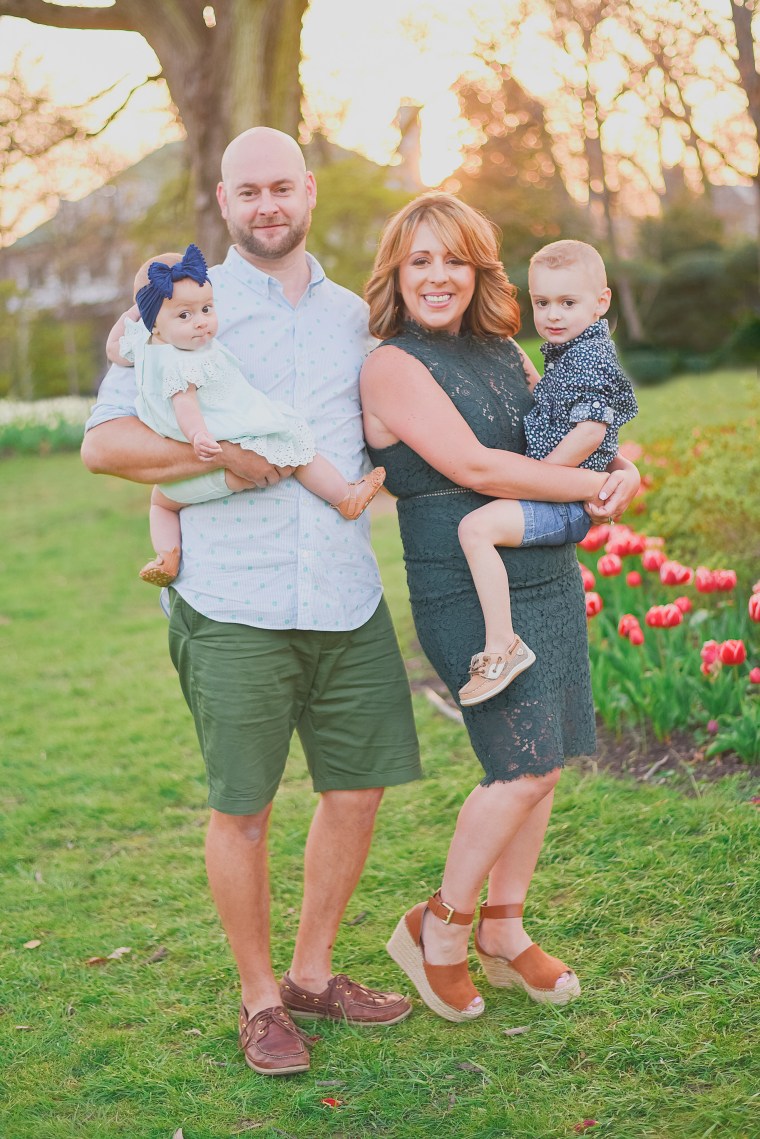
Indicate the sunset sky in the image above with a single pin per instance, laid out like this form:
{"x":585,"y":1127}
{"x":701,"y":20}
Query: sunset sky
{"x":361,"y":59}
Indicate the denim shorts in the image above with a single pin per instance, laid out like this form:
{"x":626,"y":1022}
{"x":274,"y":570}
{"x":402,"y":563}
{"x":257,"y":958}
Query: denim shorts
{"x":553,"y":523}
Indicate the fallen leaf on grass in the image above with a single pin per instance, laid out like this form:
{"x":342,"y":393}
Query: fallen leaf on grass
{"x":31,"y":944}
{"x":331,"y":1083}
{"x":466,"y":1066}
{"x":38,"y":876}
{"x":178,"y":1134}
{"x":118,"y":953}
{"x":69,"y":1011}
{"x":23,"y":1028}
{"x":358,"y":919}
{"x":517,"y":1031}
{"x":157,"y":955}
{"x":96,"y":961}
{"x":584,"y":1125}
{"x":330,"y":1102}
{"x":193,"y":1032}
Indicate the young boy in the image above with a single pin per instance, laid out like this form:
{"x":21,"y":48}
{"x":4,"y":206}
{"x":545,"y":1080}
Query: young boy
{"x":580,"y":402}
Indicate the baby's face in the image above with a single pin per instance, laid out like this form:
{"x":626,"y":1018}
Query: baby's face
{"x":187,"y":319}
{"x":565,"y":301}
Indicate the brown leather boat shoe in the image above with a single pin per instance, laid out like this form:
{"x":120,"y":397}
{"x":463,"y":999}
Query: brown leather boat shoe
{"x":272,"y":1044}
{"x":344,"y":999}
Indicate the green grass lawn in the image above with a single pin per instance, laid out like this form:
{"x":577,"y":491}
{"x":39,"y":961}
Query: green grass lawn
{"x":649,"y":894}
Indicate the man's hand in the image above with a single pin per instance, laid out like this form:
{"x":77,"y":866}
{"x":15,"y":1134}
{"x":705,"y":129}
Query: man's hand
{"x":252,"y":467}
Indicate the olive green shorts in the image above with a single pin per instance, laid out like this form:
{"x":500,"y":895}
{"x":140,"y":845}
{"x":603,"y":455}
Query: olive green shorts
{"x":249,"y":689}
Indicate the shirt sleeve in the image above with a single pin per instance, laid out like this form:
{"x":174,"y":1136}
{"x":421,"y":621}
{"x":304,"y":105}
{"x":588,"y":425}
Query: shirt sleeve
{"x":598,"y":389}
{"x":116,"y":397}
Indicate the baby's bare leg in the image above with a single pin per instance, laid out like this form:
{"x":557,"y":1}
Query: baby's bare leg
{"x":349,"y":498}
{"x":323,"y":479}
{"x":499,"y":523}
{"x":165,"y":531}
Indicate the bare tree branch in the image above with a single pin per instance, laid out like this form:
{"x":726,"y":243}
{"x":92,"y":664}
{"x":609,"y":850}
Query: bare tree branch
{"x":115,"y":19}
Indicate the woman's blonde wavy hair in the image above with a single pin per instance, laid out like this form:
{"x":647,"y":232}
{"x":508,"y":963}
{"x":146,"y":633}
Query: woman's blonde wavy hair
{"x":471,"y":237}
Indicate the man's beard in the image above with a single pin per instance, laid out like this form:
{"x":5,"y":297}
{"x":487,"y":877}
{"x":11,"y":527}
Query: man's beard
{"x":271,"y":250}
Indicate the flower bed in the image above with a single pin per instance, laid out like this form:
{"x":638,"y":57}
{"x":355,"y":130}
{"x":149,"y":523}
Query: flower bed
{"x":672,"y":647}
{"x":42,"y":426}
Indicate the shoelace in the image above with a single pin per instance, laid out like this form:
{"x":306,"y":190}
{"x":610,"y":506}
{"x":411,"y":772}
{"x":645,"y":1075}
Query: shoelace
{"x":277,"y":1016}
{"x":353,"y":989}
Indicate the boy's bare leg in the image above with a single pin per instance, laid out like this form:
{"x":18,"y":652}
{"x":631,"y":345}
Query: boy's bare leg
{"x":498,"y":523}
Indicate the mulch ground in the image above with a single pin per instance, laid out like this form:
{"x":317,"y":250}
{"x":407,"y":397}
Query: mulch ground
{"x":679,"y":760}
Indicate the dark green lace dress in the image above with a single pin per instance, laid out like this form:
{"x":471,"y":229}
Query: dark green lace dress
{"x":547,"y":713}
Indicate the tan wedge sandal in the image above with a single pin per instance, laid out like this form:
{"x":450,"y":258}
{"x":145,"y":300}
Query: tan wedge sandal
{"x":533,"y":970}
{"x":447,"y":990}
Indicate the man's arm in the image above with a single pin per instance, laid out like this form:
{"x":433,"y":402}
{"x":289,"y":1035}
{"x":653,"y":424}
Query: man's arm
{"x":127,"y":448}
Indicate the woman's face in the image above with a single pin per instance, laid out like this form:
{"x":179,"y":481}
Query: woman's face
{"x":436,"y":286}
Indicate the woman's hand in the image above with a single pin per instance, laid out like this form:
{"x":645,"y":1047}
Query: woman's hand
{"x":618,"y":492}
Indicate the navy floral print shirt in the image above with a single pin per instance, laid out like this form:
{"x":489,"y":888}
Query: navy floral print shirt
{"x":582,"y":380}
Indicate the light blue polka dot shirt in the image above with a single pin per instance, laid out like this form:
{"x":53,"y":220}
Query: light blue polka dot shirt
{"x":280,"y":558}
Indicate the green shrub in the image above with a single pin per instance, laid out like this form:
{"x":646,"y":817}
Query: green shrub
{"x":743,"y":346}
{"x":704,"y":499}
{"x":649,"y":366}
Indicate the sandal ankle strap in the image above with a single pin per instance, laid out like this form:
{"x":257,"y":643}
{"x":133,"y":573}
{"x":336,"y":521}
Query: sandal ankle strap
{"x":447,"y":913}
{"x":510,"y":910}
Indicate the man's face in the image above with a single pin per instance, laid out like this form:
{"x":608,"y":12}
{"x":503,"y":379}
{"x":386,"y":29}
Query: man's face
{"x":266,"y":200}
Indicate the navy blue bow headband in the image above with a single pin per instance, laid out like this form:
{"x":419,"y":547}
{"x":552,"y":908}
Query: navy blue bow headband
{"x":162,"y":277}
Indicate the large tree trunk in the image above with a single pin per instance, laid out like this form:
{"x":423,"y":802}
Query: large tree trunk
{"x":238,"y":73}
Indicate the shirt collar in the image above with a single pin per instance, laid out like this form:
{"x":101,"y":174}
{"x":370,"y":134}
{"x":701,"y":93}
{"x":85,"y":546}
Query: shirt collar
{"x":599,"y":330}
{"x":259,"y":281}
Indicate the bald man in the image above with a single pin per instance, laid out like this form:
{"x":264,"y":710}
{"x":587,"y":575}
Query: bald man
{"x":276,"y":619}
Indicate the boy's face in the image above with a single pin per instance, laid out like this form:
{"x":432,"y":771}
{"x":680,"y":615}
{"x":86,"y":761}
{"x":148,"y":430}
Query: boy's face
{"x":187,"y":319}
{"x":565,"y":301}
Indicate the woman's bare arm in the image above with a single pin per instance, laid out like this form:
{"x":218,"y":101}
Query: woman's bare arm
{"x":402,"y":401}
{"x":128,"y":449}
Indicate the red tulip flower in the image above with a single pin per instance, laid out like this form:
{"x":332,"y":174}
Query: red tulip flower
{"x":725,"y":580}
{"x":673,"y":573}
{"x":595,"y":538}
{"x":626,"y":623}
{"x":754,"y":607}
{"x":588,"y":579}
{"x":623,"y":541}
{"x":636,"y":636}
{"x":732,"y":652}
{"x":633,"y":578}
{"x":684,"y":604}
{"x":664,"y":616}
{"x":756,"y":587}
{"x":754,"y":676}
{"x":593,"y":604}
{"x":651,"y":560}
{"x":704,"y":580}
{"x":609,"y":565}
